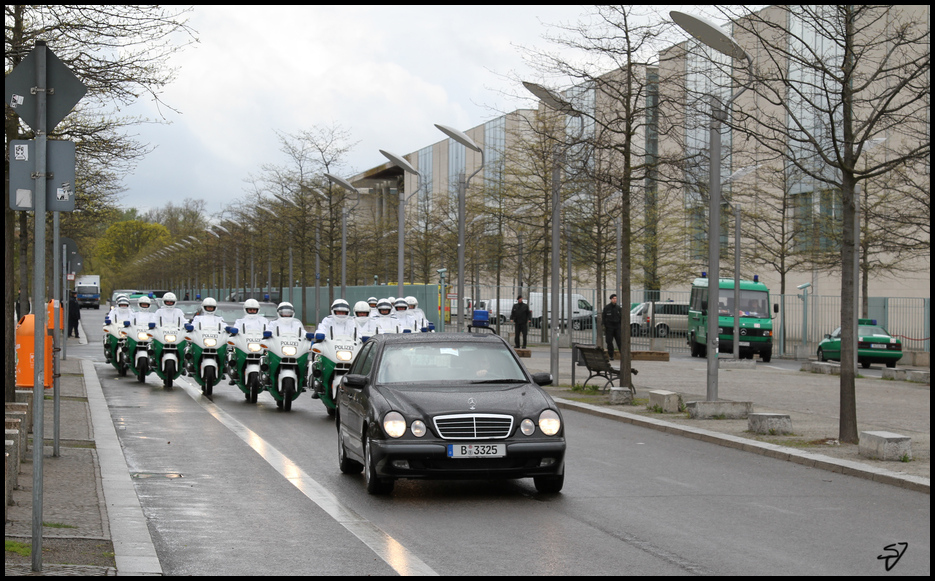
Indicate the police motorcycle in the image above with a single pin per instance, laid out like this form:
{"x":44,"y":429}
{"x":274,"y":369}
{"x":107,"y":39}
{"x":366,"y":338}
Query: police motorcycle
{"x":206,"y":354}
{"x":116,"y":327}
{"x":285,"y":364}
{"x":246,"y":355}
{"x":338,"y":338}
{"x":168,"y":341}
{"x":138,"y":340}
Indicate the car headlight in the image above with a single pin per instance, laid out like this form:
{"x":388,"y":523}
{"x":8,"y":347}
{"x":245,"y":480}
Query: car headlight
{"x":209,"y":342}
{"x":344,"y":355}
{"x":142,"y":337}
{"x":171,"y":338}
{"x":289,"y":350}
{"x":394,"y":424}
{"x":418,"y":428}
{"x":549,"y":422}
{"x":254,"y":347}
{"x":527,"y":427}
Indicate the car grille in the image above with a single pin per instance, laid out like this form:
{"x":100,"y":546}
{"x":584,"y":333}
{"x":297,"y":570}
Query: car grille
{"x":474,"y":426}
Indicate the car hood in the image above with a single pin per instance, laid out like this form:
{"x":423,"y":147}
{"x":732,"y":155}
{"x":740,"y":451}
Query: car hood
{"x":520,"y":400}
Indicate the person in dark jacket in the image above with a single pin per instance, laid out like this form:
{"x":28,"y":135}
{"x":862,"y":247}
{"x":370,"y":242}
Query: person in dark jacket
{"x":74,"y":314}
{"x":610,"y":318}
{"x":520,"y":316}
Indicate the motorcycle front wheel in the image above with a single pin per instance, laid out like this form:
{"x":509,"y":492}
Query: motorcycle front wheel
{"x":170,"y":374}
{"x":253,"y":382}
{"x":288,"y":389}
{"x":208,"y":387}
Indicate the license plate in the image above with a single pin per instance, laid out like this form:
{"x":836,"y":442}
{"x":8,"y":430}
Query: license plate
{"x":476,"y":450}
{"x":744,"y":343}
{"x":878,"y":346}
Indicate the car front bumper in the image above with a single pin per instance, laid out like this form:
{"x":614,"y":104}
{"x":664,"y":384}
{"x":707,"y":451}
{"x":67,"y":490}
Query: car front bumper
{"x":429,"y":460}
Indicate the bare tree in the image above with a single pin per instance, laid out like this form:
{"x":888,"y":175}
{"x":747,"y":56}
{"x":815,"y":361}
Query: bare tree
{"x":119,"y":52}
{"x":830,"y":80}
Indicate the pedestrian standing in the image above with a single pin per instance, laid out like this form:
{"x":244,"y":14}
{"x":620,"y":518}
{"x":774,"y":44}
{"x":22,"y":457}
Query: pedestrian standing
{"x":74,"y":313}
{"x":520,"y":316}
{"x":610,"y":318}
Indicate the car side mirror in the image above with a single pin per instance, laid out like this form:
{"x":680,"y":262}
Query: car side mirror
{"x":827,"y":335}
{"x":542,"y":379}
{"x":355,"y":381}
{"x":776,"y":308}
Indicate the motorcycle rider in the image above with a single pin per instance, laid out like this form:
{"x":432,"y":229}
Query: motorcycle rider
{"x":372,"y":303}
{"x":287,"y":322}
{"x":252,"y":319}
{"x":208,"y":316}
{"x":415,"y":313}
{"x":120,"y":313}
{"x":117,"y":302}
{"x":384,"y":322}
{"x":402,"y":315}
{"x":144,"y":316}
{"x":338,"y":322}
{"x":363,"y":320}
{"x":170,"y":315}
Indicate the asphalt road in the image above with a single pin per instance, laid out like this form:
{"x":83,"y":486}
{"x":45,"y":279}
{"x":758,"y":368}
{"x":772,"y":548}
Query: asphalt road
{"x":232,"y":488}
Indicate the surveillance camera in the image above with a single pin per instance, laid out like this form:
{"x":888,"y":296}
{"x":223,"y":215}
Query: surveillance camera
{"x":804,"y":286}
{"x":441,"y":270}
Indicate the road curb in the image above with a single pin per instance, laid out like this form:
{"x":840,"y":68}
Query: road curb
{"x":820,"y":461}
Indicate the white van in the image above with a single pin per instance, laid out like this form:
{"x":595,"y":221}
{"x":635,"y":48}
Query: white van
{"x":582,"y":311}
{"x":668,"y":317}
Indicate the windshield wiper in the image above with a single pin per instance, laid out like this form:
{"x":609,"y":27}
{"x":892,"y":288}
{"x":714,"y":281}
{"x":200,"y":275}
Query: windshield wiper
{"x":500,"y":381}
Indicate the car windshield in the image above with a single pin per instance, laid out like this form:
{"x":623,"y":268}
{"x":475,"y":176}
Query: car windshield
{"x":449,"y":362}
{"x":871,"y":330}
{"x":753,"y":304}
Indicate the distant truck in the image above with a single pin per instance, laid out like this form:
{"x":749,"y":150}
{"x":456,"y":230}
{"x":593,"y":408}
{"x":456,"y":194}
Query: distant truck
{"x":88,"y":289}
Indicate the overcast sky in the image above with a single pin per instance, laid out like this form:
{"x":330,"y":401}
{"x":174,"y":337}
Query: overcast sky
{"x":385,"y":74}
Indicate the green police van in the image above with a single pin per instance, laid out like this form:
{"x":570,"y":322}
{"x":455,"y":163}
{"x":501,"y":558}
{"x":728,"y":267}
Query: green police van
{"x":756,"y":323}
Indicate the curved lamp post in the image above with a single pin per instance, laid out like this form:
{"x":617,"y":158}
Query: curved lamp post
{"x":401,"y":162}
{"x":462,"y":194}
{"x":713,"y":37}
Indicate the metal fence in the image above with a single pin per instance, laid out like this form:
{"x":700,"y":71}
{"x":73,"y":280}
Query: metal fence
{"x":904,"y":317}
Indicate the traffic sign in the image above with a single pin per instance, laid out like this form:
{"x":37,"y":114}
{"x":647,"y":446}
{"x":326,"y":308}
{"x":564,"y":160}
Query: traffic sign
{"x":60,"y":180}
{"x":63,"y":88}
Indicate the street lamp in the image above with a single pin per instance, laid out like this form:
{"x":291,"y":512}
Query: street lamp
{"x":712,"y":36}
{"x":462,"y":193}
{"x":349,"y":187}
{"x":401,"y":212}
{"x":560,"y":105}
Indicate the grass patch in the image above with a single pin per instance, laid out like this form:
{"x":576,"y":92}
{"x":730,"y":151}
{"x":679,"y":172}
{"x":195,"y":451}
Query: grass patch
{"x":22,"y":549}
{"x":58,"y":525}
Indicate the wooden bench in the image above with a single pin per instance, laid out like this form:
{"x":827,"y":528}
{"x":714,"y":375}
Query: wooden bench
{"x":598,"y":365}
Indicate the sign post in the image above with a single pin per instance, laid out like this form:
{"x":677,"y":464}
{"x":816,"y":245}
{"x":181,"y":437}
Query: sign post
{"x":42,"y":91}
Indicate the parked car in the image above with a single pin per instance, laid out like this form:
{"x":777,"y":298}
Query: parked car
{"x":874,"y":345}
{"x":668,"y":317}
{"x":452,"y":406}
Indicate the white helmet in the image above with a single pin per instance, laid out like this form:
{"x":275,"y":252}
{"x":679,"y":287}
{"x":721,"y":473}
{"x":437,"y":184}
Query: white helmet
{"x":384,"y":305}
{"x":362,"y":311}
{"x":401,"y":305}
{"x":143,"y":302}
{"x":285,"y":310}
{"x":251,"y":304}
{"x":169,"y":299}
{"x":209,"y":305}
{"x":412,"y":302}
{"x":372,"y":302}
{"x":340,"y":309}
{"x":123,"y":301}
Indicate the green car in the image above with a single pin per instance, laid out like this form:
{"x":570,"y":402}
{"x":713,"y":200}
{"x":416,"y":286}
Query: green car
{"x":874,"y":345}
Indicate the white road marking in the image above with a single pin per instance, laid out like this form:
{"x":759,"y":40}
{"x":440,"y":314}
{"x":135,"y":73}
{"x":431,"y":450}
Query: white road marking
{"x":385,"y":546}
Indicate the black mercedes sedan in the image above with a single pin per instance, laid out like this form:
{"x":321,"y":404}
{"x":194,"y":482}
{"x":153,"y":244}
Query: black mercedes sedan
{"x":447,"y":406}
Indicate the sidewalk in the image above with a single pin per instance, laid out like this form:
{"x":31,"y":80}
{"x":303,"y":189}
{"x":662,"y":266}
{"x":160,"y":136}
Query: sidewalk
{"x":94,"y":524}
{"x":92,"y":520}
{"x":811,"y":400}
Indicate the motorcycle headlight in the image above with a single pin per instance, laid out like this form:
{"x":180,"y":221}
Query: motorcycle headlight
{"x":209,"y":342}
{"x":289,"y":350}
{"x":549,"y":422}
{"x":142,"y":336}
{"x":394,"y":424}
{"x":254,"y":347}
{"x":171,"y":338}
{"x":344,"y":355}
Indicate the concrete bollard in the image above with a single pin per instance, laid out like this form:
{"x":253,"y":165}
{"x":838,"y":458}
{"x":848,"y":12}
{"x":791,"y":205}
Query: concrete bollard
{"x":667,"y":401}
{"x":766,"y":423}
{"x":885,"y":446}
